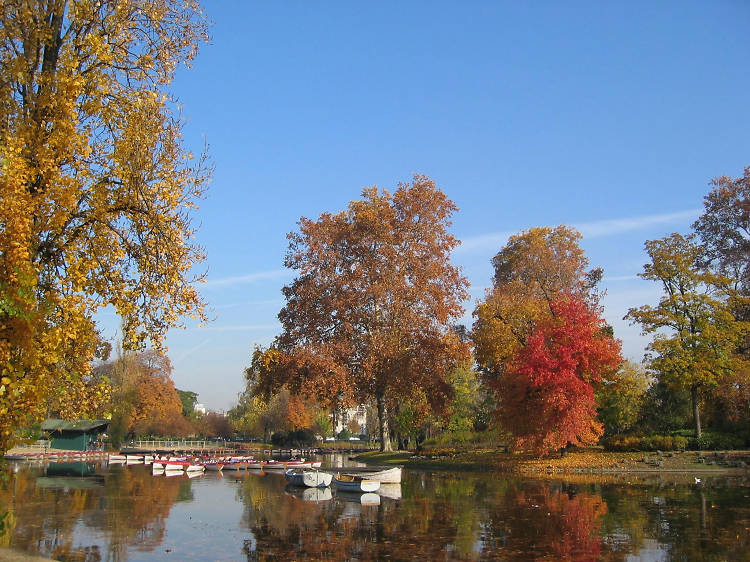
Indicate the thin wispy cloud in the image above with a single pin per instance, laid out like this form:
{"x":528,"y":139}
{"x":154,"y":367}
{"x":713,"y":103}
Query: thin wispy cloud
{"x":493,"y":240}
{"x":193,"y":349}
{"x":595,"y":229}
{"x":609,"y":227}
{"x":249,"y":278}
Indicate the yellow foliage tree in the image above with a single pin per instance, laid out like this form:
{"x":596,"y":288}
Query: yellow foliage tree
{"x":95,"y":187}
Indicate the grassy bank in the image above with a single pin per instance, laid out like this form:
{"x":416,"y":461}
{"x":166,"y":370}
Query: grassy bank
{"x":576,"y":462}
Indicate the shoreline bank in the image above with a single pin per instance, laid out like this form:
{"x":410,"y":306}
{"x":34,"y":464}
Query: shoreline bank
{"x":700,"y":463}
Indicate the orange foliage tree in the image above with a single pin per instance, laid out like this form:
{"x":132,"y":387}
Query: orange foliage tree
{"x":368,"y":316}
{"x":548,"y":392}
{"x":144,"y":398}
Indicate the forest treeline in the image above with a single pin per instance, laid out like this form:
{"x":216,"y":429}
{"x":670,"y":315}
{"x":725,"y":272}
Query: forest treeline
{"x":370,"y":320}
{"x":96,"y":214}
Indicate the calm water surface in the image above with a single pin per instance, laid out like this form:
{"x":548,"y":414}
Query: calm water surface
{"x":124,"y":513}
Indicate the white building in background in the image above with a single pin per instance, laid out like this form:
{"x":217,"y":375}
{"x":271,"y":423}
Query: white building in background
{"x":358,"y":414}
{"x":201,"y":409}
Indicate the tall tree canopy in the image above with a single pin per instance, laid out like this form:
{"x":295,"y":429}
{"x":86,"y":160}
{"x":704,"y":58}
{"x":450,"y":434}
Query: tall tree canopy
{"x":724,"y":228}
{"x":547,"y":393}
{"x":96,"y":187}
{"x":369,"y":314}
{"x":531,"y":271}
{"x":696,"y":333}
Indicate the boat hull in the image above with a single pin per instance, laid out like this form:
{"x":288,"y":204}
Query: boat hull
{"x":384,"y":476}
{"x":309,"y":478}
{"x":355,"y":484}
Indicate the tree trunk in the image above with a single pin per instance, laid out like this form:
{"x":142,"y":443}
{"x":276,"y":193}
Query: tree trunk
{"x":385,"y":434}
{"x":696,"y":412}
{"x":564,"y":450}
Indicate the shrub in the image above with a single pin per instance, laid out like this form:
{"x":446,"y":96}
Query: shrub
{"x":645,"y":443}
{"x":710,"y":441}
{"x":298,"y":438}
{"x":466,"y":439}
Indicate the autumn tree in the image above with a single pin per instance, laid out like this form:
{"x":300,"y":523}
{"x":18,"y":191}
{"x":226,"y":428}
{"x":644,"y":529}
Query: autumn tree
{"x":621,"y":396}
{"x":531,"y":271}
{"x":368,"y":316}
{"x":468,"y":400}
{"x":248,"y":415}
{"x":96,"y":187}
{"x":696,"y":336}
{"x":214,"y":424}
{"x":724,"y":229}
{"x":547,"y":392}
{"x":144,"y":398}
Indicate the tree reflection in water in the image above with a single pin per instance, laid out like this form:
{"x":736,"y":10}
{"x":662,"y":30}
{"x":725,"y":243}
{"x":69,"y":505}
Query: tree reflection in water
{"x":125,"y":513}
{"x":471,"y":517}
{"x":127,"y":507}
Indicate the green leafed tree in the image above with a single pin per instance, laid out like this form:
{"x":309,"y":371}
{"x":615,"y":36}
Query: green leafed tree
{"x":696,"y":336}
{"x":621,"y":396}
{"x":189,"y":399}
{"x":468,"y":397}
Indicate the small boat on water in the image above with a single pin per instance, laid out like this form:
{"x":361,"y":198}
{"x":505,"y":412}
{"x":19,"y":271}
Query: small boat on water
{"x":274,"y":465}
{"x":234,"y":465}
{"x":15,"y":456}
{"x":177,"y":466}
{"x":297,"y":464}
{"x":308,"y":478}
{"x":285,"y":465}
{"x":382,"y":475}
{"x":213,"y":466}
{"x":355,"y":483}
{"x":255,"y":465}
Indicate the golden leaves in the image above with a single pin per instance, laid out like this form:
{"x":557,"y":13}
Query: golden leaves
{"x":95,"y":184}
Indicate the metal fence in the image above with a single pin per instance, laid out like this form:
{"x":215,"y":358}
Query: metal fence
{"x":175,"y":444}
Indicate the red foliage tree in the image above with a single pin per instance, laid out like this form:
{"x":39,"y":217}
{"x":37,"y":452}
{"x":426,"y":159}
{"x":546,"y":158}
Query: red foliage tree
{"x":548,"y":392}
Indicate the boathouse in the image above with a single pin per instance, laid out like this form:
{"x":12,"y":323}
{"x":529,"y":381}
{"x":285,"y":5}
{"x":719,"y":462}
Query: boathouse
{"x":77,"y":435}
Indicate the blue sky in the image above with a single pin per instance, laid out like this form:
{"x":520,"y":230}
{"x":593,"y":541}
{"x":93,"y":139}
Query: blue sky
{"x":610,"y":117}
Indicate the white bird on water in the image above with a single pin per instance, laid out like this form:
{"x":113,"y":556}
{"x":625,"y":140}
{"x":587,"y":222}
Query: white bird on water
{"x":697,"y":480}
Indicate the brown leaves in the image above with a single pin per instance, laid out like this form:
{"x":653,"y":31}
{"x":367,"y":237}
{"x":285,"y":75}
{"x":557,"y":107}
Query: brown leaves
{"x":368,"y":314}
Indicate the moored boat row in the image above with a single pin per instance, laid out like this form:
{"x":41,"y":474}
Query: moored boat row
{"x":56,"y":456}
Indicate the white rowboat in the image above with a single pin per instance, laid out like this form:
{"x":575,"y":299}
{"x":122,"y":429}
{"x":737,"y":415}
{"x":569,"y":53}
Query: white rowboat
{"x":352,"y":483}
{"x":308,"y":478}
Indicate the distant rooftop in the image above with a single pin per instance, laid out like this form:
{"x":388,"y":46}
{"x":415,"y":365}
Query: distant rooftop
{"x":75,"y":425}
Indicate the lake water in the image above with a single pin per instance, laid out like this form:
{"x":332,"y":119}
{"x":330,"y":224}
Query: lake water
{"x":124,"y":513}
